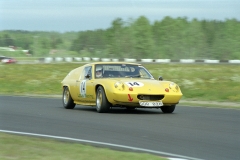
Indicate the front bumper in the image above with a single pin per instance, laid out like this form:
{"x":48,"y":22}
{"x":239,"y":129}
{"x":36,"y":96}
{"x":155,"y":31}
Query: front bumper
{"x":131,"y":99}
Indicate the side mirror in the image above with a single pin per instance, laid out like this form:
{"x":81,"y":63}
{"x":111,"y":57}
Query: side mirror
{"x":160,"y":78}
{"x":88,"y":76}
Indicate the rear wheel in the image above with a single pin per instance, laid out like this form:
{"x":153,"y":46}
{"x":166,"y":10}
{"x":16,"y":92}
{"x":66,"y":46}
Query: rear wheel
{"x":102,"y":104}
{"x":67,"y":99}
{"x":168,"y":109}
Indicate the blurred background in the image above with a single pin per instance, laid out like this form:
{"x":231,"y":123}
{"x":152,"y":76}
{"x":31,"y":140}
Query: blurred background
{"x":121,"y":29}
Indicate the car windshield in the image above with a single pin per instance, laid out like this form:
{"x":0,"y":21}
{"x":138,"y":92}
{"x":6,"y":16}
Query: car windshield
{"x":121,"y":70}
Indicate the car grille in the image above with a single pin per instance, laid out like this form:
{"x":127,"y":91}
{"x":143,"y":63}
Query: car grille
{"x":150,"y":97}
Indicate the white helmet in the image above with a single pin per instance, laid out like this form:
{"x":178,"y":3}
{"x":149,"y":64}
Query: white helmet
{"x":99,"y":71}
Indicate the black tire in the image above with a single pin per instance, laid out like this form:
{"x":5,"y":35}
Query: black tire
{"x":168,"y":109}
{"x":102,"y":104}
{"x":67,"y":99}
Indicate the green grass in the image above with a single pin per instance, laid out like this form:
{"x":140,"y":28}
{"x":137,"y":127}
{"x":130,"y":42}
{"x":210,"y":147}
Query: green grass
{"x":29,"y":148}
{"x":197,"y":81}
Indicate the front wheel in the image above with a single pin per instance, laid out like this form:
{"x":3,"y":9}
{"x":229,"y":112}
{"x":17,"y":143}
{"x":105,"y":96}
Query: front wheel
{"x":102,"y":104}
{"x":67,"y":99}
{"x":168,"y":109}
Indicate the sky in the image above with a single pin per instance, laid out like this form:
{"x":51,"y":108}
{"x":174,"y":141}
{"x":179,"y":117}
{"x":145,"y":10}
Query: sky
{"x":81,"y":15}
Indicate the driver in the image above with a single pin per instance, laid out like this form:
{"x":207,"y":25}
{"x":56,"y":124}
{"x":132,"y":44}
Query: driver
{"x":98,"y":71}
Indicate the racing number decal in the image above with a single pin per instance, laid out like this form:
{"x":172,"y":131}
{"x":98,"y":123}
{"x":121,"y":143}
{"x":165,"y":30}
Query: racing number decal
{"x":134,"y":84}
{"x":83,"y":88}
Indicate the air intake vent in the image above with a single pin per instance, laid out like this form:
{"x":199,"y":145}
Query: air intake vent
{"x":150,"y":97}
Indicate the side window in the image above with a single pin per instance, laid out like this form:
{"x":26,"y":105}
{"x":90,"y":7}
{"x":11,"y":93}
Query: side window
{"x":87,"y":72}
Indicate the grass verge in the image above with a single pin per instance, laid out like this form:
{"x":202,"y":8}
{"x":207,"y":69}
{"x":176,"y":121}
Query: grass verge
{"x":28,"y":148}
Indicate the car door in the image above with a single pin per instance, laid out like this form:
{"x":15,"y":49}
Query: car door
{"x":86,"y":87}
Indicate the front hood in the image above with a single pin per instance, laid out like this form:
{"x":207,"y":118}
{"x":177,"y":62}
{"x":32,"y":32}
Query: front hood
{"x":139,"y":85}
{"x":141,"y":82}
{"x":147,"y":85}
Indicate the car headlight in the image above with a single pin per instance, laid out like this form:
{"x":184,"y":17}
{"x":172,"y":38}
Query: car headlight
{"x":119,"y":86}
{"x":173,"y":86}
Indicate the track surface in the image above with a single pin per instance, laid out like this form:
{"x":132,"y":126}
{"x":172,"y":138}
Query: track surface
{"x":204,"y":133}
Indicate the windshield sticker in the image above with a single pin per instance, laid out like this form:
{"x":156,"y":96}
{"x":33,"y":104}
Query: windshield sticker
{"x":134,"y":84}
{"x":83,"y":88}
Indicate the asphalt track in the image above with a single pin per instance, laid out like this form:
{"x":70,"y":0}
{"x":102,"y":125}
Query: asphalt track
{"x":203,"y":133}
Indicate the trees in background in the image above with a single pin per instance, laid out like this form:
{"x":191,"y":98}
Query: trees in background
{"x":173,"y":38}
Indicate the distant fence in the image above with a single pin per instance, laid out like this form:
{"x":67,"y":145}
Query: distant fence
{"x":89,"y":59}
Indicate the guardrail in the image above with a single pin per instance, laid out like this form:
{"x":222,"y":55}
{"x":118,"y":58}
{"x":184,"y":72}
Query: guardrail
{"x":95,"y":59}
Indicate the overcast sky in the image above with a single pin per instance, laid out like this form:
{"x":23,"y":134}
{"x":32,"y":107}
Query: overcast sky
{"x":80,"y":15}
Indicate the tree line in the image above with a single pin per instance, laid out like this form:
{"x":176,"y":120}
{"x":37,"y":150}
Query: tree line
{"x":171,"y":38}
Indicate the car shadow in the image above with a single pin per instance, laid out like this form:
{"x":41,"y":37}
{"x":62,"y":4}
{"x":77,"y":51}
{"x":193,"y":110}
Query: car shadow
{"x":117,"y":110}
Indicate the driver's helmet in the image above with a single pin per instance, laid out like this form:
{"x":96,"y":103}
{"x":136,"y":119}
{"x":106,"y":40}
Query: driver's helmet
{"x":99,"y":71}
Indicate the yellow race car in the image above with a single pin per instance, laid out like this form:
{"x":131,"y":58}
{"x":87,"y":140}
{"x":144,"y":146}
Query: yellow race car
{"x":118,"y":84}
